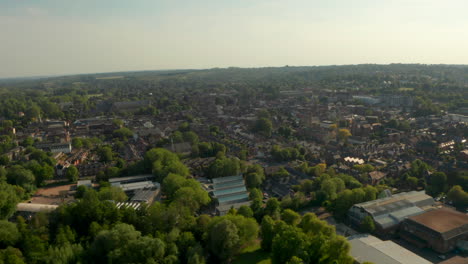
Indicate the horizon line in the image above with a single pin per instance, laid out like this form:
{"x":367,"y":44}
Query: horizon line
{"x":35,"y":77}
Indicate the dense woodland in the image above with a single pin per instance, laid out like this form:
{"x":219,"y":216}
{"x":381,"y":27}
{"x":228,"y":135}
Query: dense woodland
{"x":176,"y":230}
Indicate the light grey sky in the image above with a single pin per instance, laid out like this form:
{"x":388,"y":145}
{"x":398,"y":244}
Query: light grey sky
{"x":52,"y":37}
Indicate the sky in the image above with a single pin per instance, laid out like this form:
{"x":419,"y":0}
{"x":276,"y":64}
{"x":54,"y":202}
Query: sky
{"x":58,"y":37}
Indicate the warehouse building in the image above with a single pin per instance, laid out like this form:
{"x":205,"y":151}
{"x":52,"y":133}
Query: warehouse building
{"x":441,"y":230}
{"x":367,"y":248}
{"x":387,"y":213}
{"x":140,"y":188}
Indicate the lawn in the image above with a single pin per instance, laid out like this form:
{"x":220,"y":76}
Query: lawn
{"x":253,"y":254}
{"x":406,"y":89}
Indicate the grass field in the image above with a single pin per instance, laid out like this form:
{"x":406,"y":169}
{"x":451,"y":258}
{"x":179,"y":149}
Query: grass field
{"x":406,"y":89}
{"x":253,"y":254}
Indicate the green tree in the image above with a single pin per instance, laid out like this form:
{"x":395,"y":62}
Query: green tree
{"x":72,"y":173}
{"x":77,"y":143}
{"x":112,"y":194}
{"x":21,"y":177}
{"x":295,"y":260}
{"x":8,"y":200}
{"x":11,"y":255}
{"x":223,"y":240}
{"x":367,"y":225}
{"x":263,"y":126}
{"x":66,"y":253}
{"x":245,"y":211}
{"x":288,"y":243}
{"x":105,"y":153}
{"x":267,"y":232}
{"x":273,"y":208}
{"x":437,"y":183}
{"x":291,"y":217}
{"x":4,"y":160}
{"x":458,"y":196}
{"x":9,"y":234}
{"x":123,"y":133}
{"x":343,"y":134}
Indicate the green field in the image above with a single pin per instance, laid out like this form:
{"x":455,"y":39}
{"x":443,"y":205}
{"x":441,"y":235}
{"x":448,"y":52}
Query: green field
{"x":406,"y":89}
{"x":253,"y":254}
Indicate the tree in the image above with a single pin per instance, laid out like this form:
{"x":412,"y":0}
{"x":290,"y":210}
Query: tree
{"x":118,"y":122}
{"x":437,"y":183}
{"x":281,"y":173}
{"x":343,"y":134}
{"x":245,"y":211}
{"x":224,"y":167}
{"x":66,"y":253}
{"x":112,"y":194}
{"x":254,"y":176}
{"x":458,"y":196}
{"x":8,"y":200}
{"x":295,"y":260}
{"x":11,"y":255}
{"x":77,"y":143}
{"x":191,"y":197}
{"x":263,"y":126}
{"x":253,"y":180}
{"x":72,"y":173}
{"x":367,"y":225}
{"x":287,"y":243}
{"x":27,"y":142}
{"x":191,"y":137}
{"x":21,"y":177}
{"x":123,"y":133}
{"x":123,"y":244}
{"x":291,"y":217}
{"x":105,"y":153}
{"x":4,"y":160}
{"x":273,"y":207}
{"x":223,"y":239}
{"x":9,"y":233}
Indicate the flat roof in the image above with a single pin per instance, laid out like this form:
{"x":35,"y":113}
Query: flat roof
{"x":131,"y":178}
{"x":369,"y":248}
{"x":226,"y":179}
{"x":230,"y":184}
{"x":34,"y":208}
{"x":144,"y":194}
{"x":136,"y":185}
{"x":441,"y":220}
{"x":231,"y":198}
{"x":229,"y":191}
{"x":455,"y":260}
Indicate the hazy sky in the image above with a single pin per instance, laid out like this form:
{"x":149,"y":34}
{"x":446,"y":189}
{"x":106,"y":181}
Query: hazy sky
{"x":50,"y":37}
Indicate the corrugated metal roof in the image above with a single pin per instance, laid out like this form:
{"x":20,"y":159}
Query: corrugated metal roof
{"x":136,"y":185}
{"x":369,"y":248}
{"x":132,"y":178}
{"x":230,"y":191}
{"x":390,"y":211}
{"x":232,"y":198}
{"x":227,"y":179}
{"x":230,"y":184}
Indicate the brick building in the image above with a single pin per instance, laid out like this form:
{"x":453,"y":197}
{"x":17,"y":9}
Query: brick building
{"x":439,"y":229}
